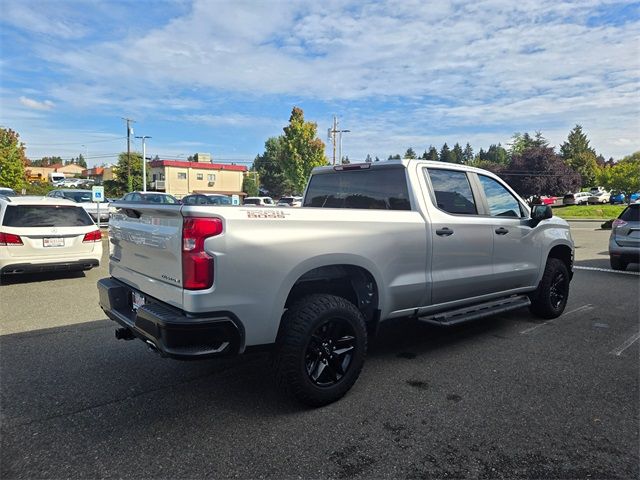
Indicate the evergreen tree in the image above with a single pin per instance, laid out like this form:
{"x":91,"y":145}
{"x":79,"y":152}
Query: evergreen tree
{"x":467,"y":155}
{"x":368,"y":159}
{"x":270,"y":170}
{"x":457,"y":154}
{"x":433,"y":154}
{"x":579,"y":155}
{"x":410,"y":153}
{"x":395,"y":157}
{"x":445,"y":153}
{"x":376,"y":159}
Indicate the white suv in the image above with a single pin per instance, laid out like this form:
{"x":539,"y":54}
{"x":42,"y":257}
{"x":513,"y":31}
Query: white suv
{"x":40,"y":234}
{"x":259,"y":201}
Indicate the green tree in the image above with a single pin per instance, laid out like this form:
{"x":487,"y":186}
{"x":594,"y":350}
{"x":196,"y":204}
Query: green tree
{"x":368,"y":159}
{"x":496,"y":154}
{"x":395,"y":157}
{"x":623,"y":176}
{"x":467,"y":154}
{"x":81,"y":161}
{"x":302,"y":150}
{"x":249,"y":185}
{"x":270,"y":169}
{"x":410,"y":153}
{"x":579,"y":155}
{"x":457,"y":154}
{"x":432,"y":154}
{"x":445,"y":153}
{"x":12,"y":160}
{"x":123,"y":184}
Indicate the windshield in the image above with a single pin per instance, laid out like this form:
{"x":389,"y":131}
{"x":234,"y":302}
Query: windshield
{"x":7,"y":192}
{"x":252,"y":201}
{"x":288,"y":200}
{"x":80,"y":197}
{"x":45,"y":216}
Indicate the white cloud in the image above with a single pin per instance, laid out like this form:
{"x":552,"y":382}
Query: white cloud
{"x":471,"y":69}
{"x":35,"y":104}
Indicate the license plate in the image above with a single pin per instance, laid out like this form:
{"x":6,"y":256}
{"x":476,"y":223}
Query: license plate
{"x":53,"y":242}
{"x":137,"y":300}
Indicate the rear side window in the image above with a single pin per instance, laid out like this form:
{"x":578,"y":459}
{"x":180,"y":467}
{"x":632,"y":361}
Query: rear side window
{"x":452,"y":191}
{"x":381,"y":189}
{"x":45,"y":216}
{"x":631,"y":214}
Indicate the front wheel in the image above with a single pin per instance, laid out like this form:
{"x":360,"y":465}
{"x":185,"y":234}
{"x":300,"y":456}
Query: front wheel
{"x":320,"y":349}
{"x":550,"y":298}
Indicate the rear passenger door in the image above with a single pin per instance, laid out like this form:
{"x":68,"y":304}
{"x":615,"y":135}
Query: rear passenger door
{"x":516,"y":256}
{"x":461,"y":260}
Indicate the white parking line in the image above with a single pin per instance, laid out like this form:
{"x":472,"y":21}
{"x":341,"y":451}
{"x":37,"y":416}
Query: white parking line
{"x":597,"y":269}
{"x":630,"y":341}
{"x":583,"y":308}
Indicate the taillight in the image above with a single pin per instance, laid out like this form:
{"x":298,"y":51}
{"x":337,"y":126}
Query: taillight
{"x":618,"y":223}
{"x":197,"y":265}
{"x":94,"y":236}
{"x":10,"y":240}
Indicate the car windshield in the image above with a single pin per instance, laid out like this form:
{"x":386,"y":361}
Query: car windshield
{"x":252,"y":201}
{"x":45,"y":216}
{"x":80,"y":197}
{"x":7,"y":192}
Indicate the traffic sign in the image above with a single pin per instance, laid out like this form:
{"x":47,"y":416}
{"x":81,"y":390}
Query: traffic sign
{"x":97,"y":193}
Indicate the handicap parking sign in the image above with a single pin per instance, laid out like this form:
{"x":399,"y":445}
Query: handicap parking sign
{"x":97,"y":193}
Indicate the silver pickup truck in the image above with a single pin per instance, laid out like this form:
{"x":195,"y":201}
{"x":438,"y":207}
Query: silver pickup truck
{"x":439,"y":242}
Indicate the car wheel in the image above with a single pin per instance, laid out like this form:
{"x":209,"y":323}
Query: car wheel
{"x":320,"y":349}
{"x":617,"y":263}
{"x":550,"y":298}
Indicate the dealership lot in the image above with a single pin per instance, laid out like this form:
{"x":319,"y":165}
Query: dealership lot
{"x":507,"y":397}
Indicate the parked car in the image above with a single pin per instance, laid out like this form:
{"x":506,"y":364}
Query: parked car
{"x":43,"y":233}
{"x":7,"y":192}
{"x":624,"y":241}
{"x":617,"y":197}
{"x":72,"y":182}
{"x":634,"y":197}
{"x":548,"y":200}
{"x":83,"y":197}
{"x":441,"y":242}
{"x":259,"y":201}
{"x":599,"y":197}
{"x":150,"y":197}
{"x":289,"y":202}
{"x":578,"y":198}
{"x":206,"y":199}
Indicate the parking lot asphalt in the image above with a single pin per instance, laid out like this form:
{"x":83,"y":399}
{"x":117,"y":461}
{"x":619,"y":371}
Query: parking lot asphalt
{"x":506,"y":397}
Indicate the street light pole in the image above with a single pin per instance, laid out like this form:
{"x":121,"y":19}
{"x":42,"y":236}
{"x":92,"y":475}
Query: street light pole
{"x":144,"y":162}
{"x":341,"y":132}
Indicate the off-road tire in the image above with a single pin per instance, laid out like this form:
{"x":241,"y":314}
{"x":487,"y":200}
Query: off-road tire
{"x":617,"y":263}
{"x":299,"y":323}
{"x":542,"y":300}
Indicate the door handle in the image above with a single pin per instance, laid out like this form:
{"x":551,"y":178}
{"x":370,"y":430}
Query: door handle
{"x":444,"y":232}
{"x":502,"y":231}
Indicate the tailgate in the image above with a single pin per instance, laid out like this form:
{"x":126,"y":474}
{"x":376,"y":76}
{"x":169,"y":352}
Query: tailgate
{"x":145,"y":248}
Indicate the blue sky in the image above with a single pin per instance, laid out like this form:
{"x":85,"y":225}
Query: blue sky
{"x":222,"y":77}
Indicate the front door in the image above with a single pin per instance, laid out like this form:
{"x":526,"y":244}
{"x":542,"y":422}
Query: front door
{"x":516,"y":255}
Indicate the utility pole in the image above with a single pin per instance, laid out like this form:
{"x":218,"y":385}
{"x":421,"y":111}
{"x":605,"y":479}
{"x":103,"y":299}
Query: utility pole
{"x":129,"y":179}
{"x":144,"y":162}
{"x":332,"y":133}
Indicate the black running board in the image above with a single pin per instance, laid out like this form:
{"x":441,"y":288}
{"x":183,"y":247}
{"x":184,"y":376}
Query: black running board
{"x":479,"y":310}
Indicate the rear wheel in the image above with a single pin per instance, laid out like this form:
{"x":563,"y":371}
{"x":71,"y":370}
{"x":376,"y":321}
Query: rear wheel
{"x":617,"y":263}
{"x":320,"y":349}
{"x":550,"y":298}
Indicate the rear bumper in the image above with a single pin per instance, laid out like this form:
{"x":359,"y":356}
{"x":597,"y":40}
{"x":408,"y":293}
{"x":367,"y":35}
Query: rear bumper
{"x":65,"y":266}
{"x":627,"y":254}
{"x":173,"y":332}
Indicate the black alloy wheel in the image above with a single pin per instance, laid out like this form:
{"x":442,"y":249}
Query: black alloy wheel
{"x":558,"y":289}
{"x":329,"y":352}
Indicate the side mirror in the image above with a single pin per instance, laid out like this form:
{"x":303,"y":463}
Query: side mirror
{"x":540,"y":212}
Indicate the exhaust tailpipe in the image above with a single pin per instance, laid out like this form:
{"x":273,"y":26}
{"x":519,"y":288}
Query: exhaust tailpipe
{"x":124,"y":334}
